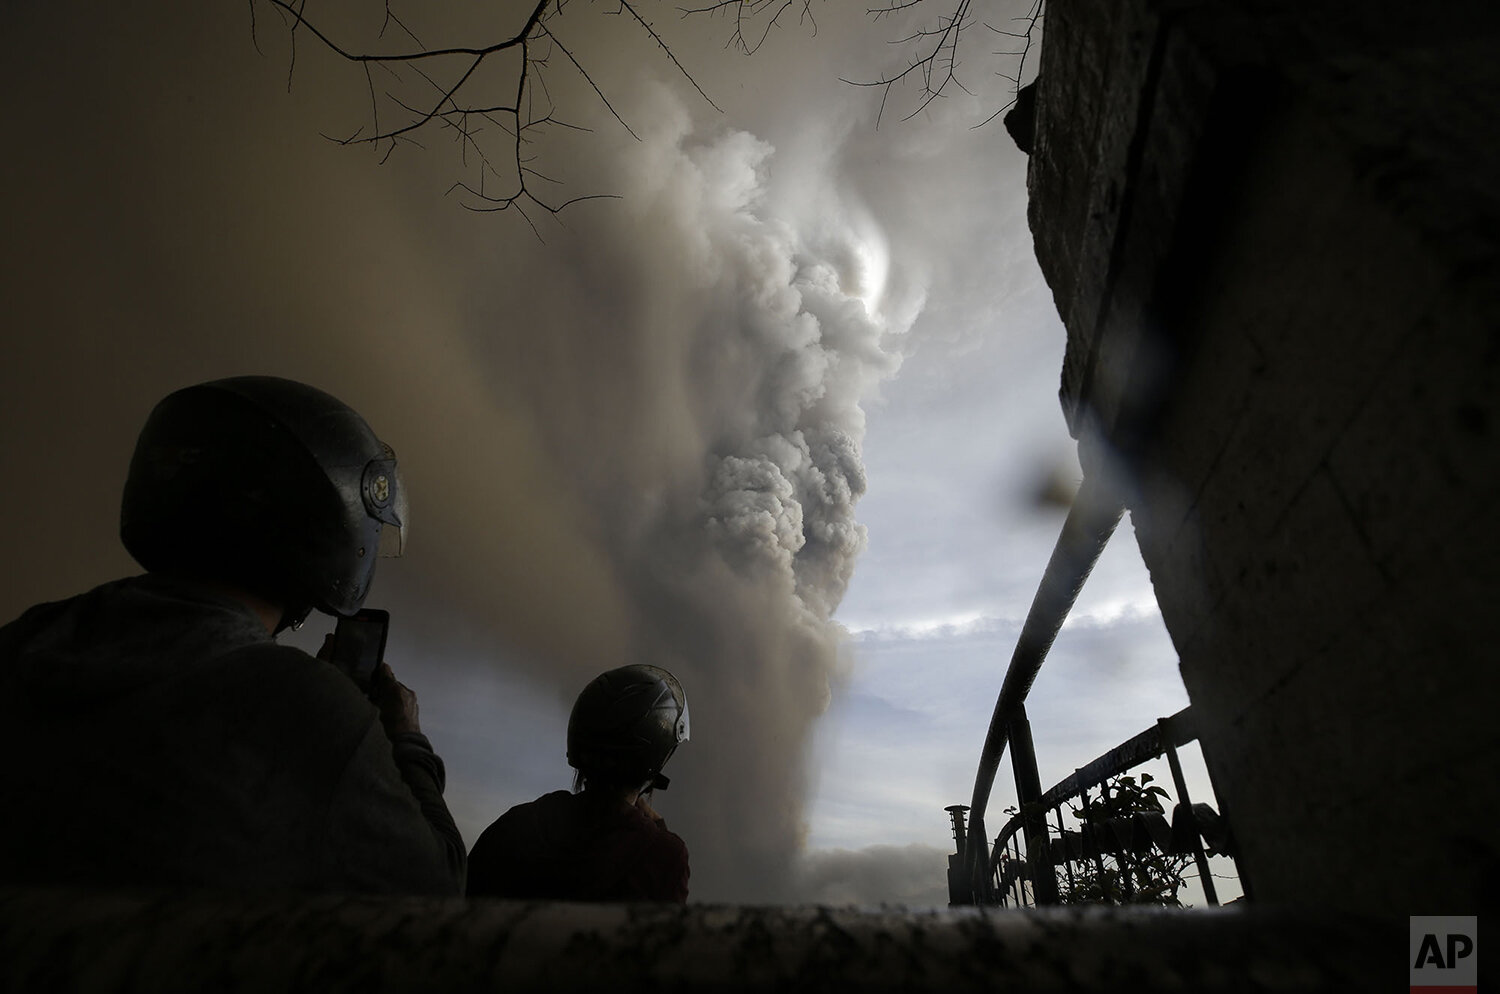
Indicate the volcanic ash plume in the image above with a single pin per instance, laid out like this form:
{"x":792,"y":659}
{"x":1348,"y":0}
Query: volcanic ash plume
{"x":734,"y":575}
{"x":787,"y":505}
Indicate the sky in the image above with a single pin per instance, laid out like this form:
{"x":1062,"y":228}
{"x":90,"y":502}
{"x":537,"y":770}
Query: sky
{"x":776,"y":415}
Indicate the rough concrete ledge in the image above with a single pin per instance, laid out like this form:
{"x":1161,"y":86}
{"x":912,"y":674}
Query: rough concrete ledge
{"x":73,"y":941}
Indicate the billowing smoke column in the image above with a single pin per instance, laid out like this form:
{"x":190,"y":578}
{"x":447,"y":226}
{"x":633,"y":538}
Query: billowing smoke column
{"x":782,"y":487}
{"x":735,"y":576}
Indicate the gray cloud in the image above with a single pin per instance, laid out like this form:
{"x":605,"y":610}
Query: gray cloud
{"x":913,"y":875}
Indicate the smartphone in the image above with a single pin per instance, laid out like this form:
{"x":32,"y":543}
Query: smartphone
{"x":359,"y":644}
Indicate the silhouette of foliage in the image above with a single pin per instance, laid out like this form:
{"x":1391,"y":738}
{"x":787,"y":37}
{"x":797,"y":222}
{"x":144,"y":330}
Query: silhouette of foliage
{"x":1152,"y":877}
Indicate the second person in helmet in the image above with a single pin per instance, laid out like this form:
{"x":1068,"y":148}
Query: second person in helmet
{"x":601,"y":842}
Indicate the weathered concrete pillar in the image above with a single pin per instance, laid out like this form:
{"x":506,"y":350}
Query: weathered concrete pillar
{"x":1273,"y":232}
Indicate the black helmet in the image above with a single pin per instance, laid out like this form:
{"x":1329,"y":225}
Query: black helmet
{"x":266,"y":483}
{"x":626,"y":724}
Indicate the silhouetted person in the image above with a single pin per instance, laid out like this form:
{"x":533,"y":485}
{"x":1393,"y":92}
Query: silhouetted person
{"x":156,"y":733}
{"x":602,"y":842}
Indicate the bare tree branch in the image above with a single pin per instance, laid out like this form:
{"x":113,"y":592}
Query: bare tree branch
{"x":451,"y":75}
{"x":602,"y":98}
{"x":453,"y":88}
{"x":934,"y":60}
{"x":645,"y":26}
{"x":747,"y":12}
{"x":1033,"y":19}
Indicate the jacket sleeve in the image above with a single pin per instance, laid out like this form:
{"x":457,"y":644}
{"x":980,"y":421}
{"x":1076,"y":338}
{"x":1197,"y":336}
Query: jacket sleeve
{"x":423,"y":772}
{"x":388,"y":829}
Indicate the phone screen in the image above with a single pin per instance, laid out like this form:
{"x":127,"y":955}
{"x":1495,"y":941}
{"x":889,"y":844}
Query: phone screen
{"x":359,"y":644}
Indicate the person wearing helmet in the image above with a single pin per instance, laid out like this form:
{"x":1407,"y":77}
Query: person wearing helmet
{"x":159,"y":735}
{"x":602,"y":841}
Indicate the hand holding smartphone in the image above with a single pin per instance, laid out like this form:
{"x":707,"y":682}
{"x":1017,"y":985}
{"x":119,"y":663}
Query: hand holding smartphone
{"x":359,"y":644}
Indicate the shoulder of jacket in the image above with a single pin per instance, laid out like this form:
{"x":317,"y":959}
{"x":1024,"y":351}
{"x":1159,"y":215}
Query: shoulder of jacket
{"x":298,"y":681}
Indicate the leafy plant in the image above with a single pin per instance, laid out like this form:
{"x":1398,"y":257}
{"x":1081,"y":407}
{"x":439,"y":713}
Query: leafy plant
{"x":1151,"y":877}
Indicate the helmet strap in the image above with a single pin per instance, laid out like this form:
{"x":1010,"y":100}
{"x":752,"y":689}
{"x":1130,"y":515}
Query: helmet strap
{"x":293,"y":618}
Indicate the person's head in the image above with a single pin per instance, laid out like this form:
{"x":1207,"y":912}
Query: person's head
{"x":625,"y":726}
{"x":267,"y":485}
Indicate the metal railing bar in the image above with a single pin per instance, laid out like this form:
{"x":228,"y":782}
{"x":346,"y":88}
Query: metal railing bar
{"x":1180,"y":782}
{"x":1090,"y":524}
{"x":1029,"y":790}
{"x":1146,"y":745}
{"x":1127,"y":755}
{"x":1162,"y":739}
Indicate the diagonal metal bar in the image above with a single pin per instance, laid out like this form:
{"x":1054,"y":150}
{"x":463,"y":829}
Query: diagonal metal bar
{"x":1096,"y":511}
{"x":1167,"y":733}
{"x":1028,"y":793}
{"x":1175,"y":731}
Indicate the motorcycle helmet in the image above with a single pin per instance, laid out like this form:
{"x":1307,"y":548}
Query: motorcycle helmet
{"x":269,"y":484}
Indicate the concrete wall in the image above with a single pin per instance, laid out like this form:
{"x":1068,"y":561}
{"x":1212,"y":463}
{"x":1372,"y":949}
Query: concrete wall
{"x":1272,"y":232}
{"x":65,"y":942}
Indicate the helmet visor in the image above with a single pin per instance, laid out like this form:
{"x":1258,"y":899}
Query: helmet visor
{"x":385,"y":500}
{"x":393,"y":534}
{"x":679,"y":697}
